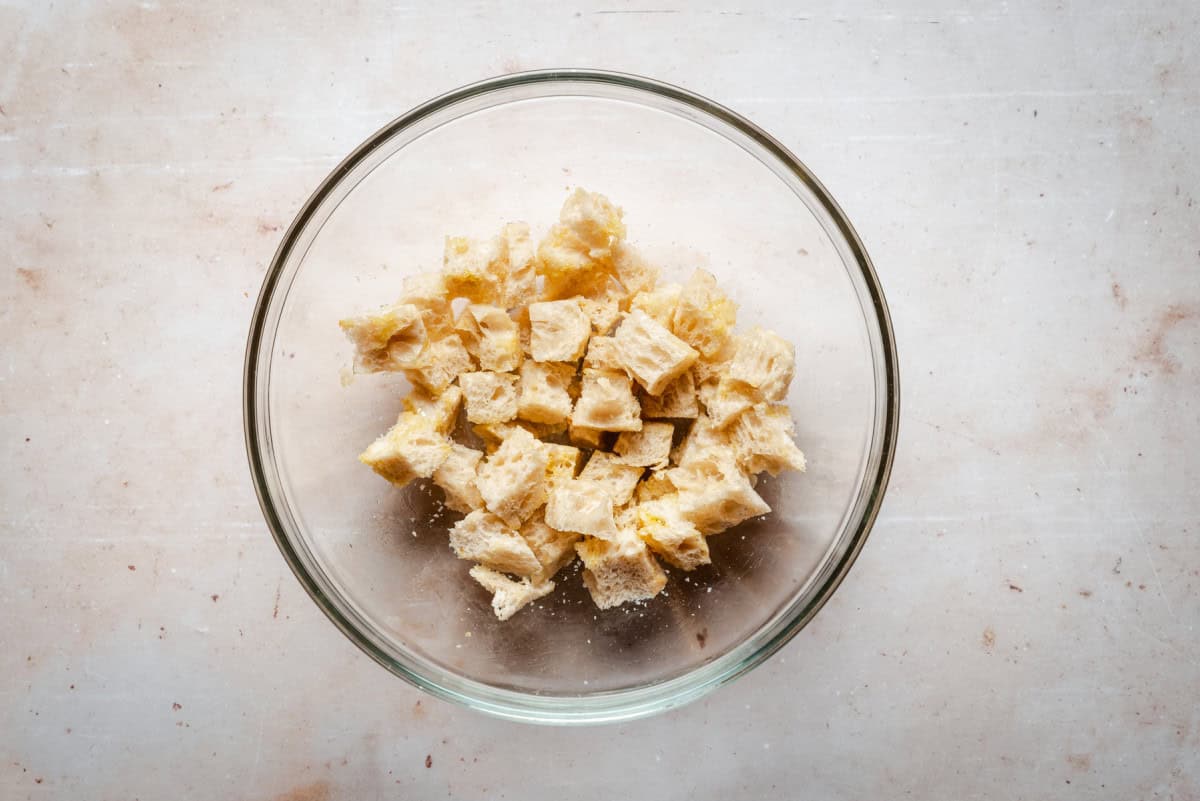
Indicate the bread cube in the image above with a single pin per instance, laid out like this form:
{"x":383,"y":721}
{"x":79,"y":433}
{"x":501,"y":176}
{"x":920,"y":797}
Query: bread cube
{"x":581,"y":506}
{"x":545,"y":396}
{"x":513,"y":479}
{"x":763,"y":360}
{"x":677,"y":400}
{"x":491,"y":336}
{"x":724,"y":399}
{"x":656,"y":485}
{"x":606,"y":402}
{"x":483,"y":537}
{"x":649,"y":447}
{"x":427,"y":291}
{"x":602,"y":312}
{"x":491,"y":397}
{"x":716,"y":366}
{"x":562,"y":258}
{"x":586,"y":437}
{"x":594,"y":221}
{"x":554,"y":549}
{"x":413,"y":448}
{"x":474,"y":269}
{"x":561,"y":463}
{"x":389,"y":339}
{"x":602,"y":354}
{"x":634,"y":273}
{"x":702,"y":439}
{"x":619,"y":570}
{"x":762,"y":440}
{"x":520,"y":284}
{"x":508,"y":595}
{"x":493,"y":434}
{"x":658,"y":304}
{"x":558,"y":330}
{"x":715,"y":495}
{"x":661,"y":525}
{"x":618,"y":478}
{"x":443,"y":361}
{"x":704,"y":317}
{"x":651,"y":353}
{"x":442,"y":410}
{"x":456,"y":476}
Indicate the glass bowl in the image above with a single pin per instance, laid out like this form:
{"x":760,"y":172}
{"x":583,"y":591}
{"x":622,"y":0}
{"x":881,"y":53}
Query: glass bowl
{"x":701,"y":187}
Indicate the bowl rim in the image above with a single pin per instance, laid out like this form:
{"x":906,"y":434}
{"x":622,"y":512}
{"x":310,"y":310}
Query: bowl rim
{"x":626,"y":704}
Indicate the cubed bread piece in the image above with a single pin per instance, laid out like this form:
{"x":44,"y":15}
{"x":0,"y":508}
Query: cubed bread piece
{"x":594,"y":221}
{"x":701,"y":440}
{"x":656,"y":485}
{"x":388,"y":339}
{"x":724,"y":399}
{"x":558,"y":330}
{"x":603,"y":312}
{"x":493,"y":434}
{"x":633,"y":271}
{"x":649,"y":447}
{"x":483,"y":537}
{"x":715,"y":495}
{"x":716,"y":366}
{"x":491,"y":336}
{"x":661,"y":525}
{"x":763,"y":360}
{"x":606,"y":402}
{"x":562,"y":461}
{"x":762,"y":440}
{"x":442,"y":410}
{"x":513,"y":479}
{"x":602,"y":354}
{"x":677,"y":400}
{"x":456,"y":476}
{"x":658,"y":304}
{"x":520,"y":316}
{"x":704,"y":317}
{"x":619,"y":571}
{"x":509,"y":596}
{"x":651,"y":353}
{"x":443,"y":361}
{"x":475,"y":269}
{"x":581,"y":506}
{"x":413,"y":448}
{"x":520,"y":284}
{"x":554,"y":549}
{"x":545,"y":395}
{"x":586,"y":437}
{"x":616,"y":477}
{"x":427,"y":291}
{"x":491,"y":397}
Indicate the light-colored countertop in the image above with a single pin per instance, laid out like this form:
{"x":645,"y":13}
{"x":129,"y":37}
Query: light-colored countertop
{"x":1023,"y":621}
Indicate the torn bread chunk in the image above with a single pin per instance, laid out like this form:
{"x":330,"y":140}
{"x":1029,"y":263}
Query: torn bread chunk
{"x":658,"y":304}
{"x":724,"y":399}
{"x":545,"y":392}
{"x":715,"y":495}
{"x":656,"y":485}
{"x":491,"y":336}
{"x":602,"y":354}
{"x":676,"y":401}
{"x":606,"y":402}
{"x":765,"y":361}
{"x":485,"y":538}
{"x":662,"y":526}
{"x":586,"y":437}
{"x":442,"y":409}
{"x":443,"y":361}
{"x":558,"y":330}
{"x":632,"y":270}
{"x":715,"y":366}
{"x":491,"y":397}
{"x":651,"y":353}
{"x":474,"y":269}
{"x":620,"y":570}
{"x":508,"y":595}
{"x":594,"y":221}
{"x":581,"y":506}
{"x":513,"y":479}
{"x":762,"y":440}
{"x":649,"y":447}
{"x":389,"y":339}
{"x":704,"y":317}
{"x":616,"y":477}
{"x":456,"y":476}
{"x":702,"y":439}
{"x":520,"y":283}
{"x":562,"y":462}
{"x":554,"y":549}
{"x":412,"y":448}
{"x":603,"y":312}
{"x":427,"y":291}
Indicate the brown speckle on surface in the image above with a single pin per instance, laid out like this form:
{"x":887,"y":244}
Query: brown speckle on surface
{"x":1085,"y":593}
{"x":1080,"y":761}
{"x":1141,"y":586}
{"x":215,"y":597}
{"x":176,"y":706}
{"x":38,"y":780}
{"x":1117,"y":566}
{"x":702,"y":637}
{"x":132,"y":567}
{"x":317,"y":791}
{"x":32,"y":278}
{"x":222,"y":187}
{"x":1015,"y":588}
{"x":1152,"y":349}
{"x":418,"y":711}
{"x":988,"y":639}
{"x":429,"y":760}
{"x":278,"y":589}
{"x":265,"y":227}
{"x":1118,"y":295}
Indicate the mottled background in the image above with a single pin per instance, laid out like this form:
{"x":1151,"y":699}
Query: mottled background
{"x":1023,"y":621}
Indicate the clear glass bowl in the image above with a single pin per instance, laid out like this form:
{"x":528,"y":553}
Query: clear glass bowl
{"x":700,"y":186}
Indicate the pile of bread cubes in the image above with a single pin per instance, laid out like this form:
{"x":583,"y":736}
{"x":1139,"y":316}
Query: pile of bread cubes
{"x":616,"y":419}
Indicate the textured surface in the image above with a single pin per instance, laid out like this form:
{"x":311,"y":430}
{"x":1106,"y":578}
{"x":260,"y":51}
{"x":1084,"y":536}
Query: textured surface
{"x":1023,"y":621}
